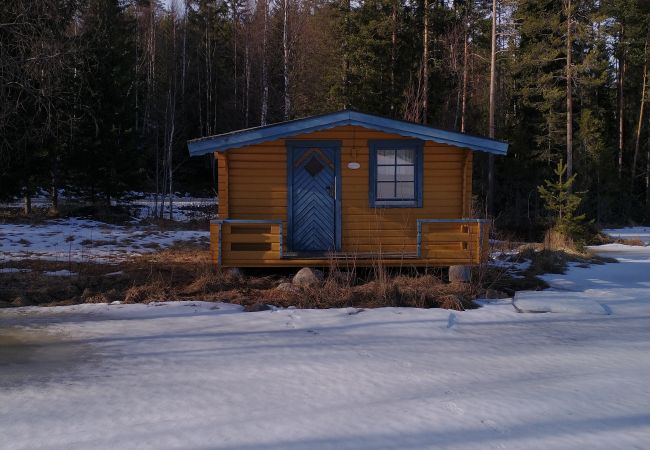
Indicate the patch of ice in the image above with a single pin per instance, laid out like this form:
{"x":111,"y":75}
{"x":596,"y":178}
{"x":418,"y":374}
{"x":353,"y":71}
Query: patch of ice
{"x":505,"y":262}
{"x":556,"y":302}
{"x":60,"y":273}
{"x":114,"y":274}
{"x":13,"y":270}
{"x":627,"y":249}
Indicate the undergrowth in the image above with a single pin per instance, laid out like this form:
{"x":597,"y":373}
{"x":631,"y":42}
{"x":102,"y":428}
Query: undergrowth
{"x":184,"y":272}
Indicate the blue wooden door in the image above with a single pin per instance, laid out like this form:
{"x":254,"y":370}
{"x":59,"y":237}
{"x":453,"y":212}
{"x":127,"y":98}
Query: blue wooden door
{"x":312,"y":197}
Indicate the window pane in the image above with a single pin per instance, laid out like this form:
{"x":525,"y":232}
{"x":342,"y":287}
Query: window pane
{"x":385,"y":173}
{"x":385,"y":190}
{"x":386,"y":157}
{"x":405,"y":173}
{"x":406,"y":190}
{"x":406,"y":156}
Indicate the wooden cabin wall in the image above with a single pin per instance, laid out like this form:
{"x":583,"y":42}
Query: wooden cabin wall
{"x":253,"y":185}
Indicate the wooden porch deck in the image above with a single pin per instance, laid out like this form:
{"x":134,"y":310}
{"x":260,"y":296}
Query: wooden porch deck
{"x":438,"y":242}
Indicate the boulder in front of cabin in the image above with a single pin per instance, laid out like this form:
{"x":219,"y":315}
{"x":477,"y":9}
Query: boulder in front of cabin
{"x":460,"y":274}
{"x":308,"y":277}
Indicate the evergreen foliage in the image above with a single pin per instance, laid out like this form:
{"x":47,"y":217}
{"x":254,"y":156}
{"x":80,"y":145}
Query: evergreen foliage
{"x":100,"y":96}
{"x":562,"y":203}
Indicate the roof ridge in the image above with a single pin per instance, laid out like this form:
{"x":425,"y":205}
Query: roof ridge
{"x":279,"y":130}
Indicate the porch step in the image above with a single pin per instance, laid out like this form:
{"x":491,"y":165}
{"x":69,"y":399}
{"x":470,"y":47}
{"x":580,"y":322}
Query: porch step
{"x":341,"y":255}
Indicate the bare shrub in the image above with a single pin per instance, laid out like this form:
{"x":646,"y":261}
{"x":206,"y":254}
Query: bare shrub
{"x":600,"y":238}
{"x":97,"y":298}
{"x":332,"y":294}
{"x":556,"y":240}
{"x":154,"y":291}
{"x":452,"y":301}
{"x":208,"y":281}
{"x":420,"y":291}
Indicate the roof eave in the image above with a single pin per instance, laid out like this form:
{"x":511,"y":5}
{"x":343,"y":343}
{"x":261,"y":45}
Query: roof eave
{"x":254,"y":136}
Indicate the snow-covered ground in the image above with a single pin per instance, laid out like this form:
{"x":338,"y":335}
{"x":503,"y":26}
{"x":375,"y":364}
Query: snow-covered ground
{"x":640,"y":233}
{"x":141,"y":204}
{"x":184,"y":207}
{"x":85,"y":240}
{"x":201,"y":375}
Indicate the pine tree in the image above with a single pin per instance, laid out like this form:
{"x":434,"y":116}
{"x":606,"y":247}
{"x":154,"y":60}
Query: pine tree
{"x":562,"y":203}
{"x":105,"y":161}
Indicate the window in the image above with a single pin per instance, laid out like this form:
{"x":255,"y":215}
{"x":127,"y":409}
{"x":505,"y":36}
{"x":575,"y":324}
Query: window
{"x":395,"y":173}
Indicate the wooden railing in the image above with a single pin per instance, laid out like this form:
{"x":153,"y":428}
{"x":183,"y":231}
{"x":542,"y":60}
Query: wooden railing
{"x":246,"y":241}
{"x":462,"y":240}
{"x":249,"y":243}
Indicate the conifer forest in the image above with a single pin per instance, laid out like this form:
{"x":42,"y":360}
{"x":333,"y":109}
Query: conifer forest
{"x":99,"y":97}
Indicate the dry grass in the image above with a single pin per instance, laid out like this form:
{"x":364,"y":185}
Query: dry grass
{"x":340,"y":290}
{"x":554,"y":241}
{"x":602,"y":238}
{"x":153,"y":291}
{"x":557,"y":261}
{"x":185,"y":272}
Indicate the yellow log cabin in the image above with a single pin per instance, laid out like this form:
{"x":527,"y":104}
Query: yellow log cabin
{"x":348,"y":187}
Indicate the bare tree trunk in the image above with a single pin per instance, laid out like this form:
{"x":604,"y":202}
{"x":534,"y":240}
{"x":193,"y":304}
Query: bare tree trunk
{"x":637,"y":137}
{"x":346,"y":57}
{"x":27,"y":201}
{"x":265,"y":75}
{"x":170,"y":146}
{"x":621,"y":106}
{"x":425,"y":64}
{"x":569,"y":96}
{"x":173,"y":85}
{"x":54,"y":188}
{"x":492,"y":109}
{"x":137,"y":73}
{"x":247,"y":76}
{"x":285,"y":48}
{"x":184,"y":50}
{"x":210,"y":118}
{"x":163,"y":181}
{"x":463,"y":108}
{"x":393,"y":57}
{"x":169,"y":166}
{"x":647,"y":181}
{"x":157,"y":194}
{"x":147,"y":126}
{"x":235,"y":20}
{"x":647,"y":178}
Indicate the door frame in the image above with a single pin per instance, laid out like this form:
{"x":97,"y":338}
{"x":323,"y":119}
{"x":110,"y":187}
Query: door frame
{"x":291,"y":146}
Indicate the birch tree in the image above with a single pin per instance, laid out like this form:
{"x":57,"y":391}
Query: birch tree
{"x":285,"y":59}
{"x":637,"y":136}
{"x":492,"y":108}
{"x":425,"y":63}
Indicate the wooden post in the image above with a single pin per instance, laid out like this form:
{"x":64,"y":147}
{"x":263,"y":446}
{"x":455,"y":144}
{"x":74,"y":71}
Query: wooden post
{"x":223,"y":188}
{"x":465,"y":209}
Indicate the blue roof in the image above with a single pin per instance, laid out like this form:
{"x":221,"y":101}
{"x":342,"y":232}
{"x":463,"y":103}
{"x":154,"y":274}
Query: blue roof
{"x":243,"y":138}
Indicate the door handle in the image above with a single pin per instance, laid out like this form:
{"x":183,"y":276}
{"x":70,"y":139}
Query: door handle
{"x":331,"y":189}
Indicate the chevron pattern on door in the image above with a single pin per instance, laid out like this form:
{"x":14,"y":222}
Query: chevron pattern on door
{"x":313,"y":199}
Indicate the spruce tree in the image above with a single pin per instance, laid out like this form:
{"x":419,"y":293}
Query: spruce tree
{"x":562,"y":203}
